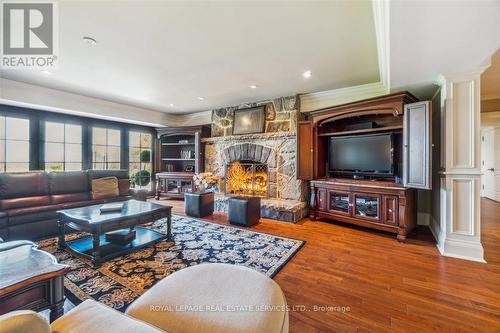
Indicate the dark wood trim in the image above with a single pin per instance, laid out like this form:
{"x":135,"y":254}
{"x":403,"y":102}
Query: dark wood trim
{"x":305,"y":150}
{"x":373,"y":103}
{"x":364,"y":131}
{"x":33,"y":279}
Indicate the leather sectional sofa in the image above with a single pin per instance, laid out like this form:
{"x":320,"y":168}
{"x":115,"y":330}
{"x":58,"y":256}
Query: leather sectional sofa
{"x":29,"y":200}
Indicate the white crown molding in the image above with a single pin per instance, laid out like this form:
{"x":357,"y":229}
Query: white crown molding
{"x":319,"y":100}
{"x":194,"y":119}
{"x":381,"y":18}
{"x":31,"y":96}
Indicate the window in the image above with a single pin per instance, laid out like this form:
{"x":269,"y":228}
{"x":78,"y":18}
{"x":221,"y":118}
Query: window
{"x":140,"y":159}
{"x":105,"y":148}
{"x":14,"y":144}
{"x":63,"y":146}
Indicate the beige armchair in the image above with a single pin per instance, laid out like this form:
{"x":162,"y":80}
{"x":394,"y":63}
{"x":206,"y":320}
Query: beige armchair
{"x":215,"y":298}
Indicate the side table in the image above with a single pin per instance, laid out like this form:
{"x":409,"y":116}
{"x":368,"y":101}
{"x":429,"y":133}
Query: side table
{"x":30,"y":279}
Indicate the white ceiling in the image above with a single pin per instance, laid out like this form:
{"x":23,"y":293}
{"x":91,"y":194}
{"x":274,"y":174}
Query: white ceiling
{"x":429,"y":38}
{"x":151,"y":54}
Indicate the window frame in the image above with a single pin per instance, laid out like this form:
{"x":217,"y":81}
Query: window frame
{"x":44,"y":141}
{"x":106,"y":145}
{"x":141,"y":148}
{"x":5,"y":140}
{"x":36,"y":118}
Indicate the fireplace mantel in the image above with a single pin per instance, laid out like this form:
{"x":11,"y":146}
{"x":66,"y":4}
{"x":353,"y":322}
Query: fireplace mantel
{"x":247,"y":137}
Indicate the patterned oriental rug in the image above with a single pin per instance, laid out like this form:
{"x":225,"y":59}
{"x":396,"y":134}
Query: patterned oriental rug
{"x":118,"y":282}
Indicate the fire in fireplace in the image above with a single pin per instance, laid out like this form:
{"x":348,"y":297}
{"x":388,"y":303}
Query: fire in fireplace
{"x":247,"y":178}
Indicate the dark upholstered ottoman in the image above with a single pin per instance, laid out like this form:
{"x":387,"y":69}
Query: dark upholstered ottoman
{"x":244,"y":211}
{"x":199,"y":204}
{"x":139,"y":194}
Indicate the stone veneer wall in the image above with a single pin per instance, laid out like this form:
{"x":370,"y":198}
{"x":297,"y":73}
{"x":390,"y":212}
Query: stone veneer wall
{"x":281,"y":116}
{"x":276,"y":147}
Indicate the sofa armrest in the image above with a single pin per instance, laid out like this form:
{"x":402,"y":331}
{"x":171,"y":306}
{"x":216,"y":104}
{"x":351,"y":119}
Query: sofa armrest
{"x":138,"y":194}
{"x":4,"y":246}
{"x":94,"y":317}
{"x":23,"y":321}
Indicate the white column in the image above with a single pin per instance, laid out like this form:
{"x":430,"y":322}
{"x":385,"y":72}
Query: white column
{"x":460,"y":229}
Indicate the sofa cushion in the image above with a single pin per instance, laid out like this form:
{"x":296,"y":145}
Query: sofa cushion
{"x":68,"y":182}
{"x":106,"y":187}
{"x":23,"y":184}
{"x":95,"y":174}
{"x":32,"y":210}
{"x":24,"y":321}
{"x":75,"y":204}
{"x":14,"y":203}
{"x":41,"y":228}
{"x":69,"y":197}
{"x":3,"y":220}
{"x":91,"y":316}
{"x":115,"y":199}
{"x":124,"y":187}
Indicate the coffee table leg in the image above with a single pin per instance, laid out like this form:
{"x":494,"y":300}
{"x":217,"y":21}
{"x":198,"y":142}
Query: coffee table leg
{"x":96,"y":250}
{"x":169,"y":227}
{"x":56,"y":312}
{"x":61,"y":243}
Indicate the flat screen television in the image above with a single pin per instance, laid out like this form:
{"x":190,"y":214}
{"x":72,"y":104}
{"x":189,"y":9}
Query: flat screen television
{"x":370,"y":154}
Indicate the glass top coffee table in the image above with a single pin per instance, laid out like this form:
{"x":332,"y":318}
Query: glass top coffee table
{"x":90,"y":220}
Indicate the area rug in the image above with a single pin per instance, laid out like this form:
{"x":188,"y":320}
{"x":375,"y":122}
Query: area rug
{"x":118,"y":282}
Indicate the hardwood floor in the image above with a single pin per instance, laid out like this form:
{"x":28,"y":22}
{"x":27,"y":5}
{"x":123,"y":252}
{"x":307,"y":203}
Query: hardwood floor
{"x":387,"y":286}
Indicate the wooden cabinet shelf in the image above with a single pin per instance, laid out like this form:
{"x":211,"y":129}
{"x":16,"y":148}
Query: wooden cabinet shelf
{"x":364,"y":131}
{"x":177,"y":144}
{"x":178,"y":160}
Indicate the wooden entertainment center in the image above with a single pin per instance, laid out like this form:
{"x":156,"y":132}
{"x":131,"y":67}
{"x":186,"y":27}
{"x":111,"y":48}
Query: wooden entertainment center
{"x":383,"y":201}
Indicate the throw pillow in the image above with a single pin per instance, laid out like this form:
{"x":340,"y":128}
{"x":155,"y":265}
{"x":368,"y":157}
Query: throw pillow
{"x":106,"y":187}
{"x":123,"y":187}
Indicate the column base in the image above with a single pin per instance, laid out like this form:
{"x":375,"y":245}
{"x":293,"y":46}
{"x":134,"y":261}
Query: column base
{"x":461,"y":249}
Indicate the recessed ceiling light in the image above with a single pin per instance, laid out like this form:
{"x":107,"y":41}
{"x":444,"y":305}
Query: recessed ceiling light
{"x":253,"y":86}
{"x":45,"y":72}
{"x":89,"y":40}
{"x":201,"y":98}
{"x":171,"y":104}
{"x":307,"y":74}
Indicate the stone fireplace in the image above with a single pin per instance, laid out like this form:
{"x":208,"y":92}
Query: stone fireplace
{"x":271,"y":157}
{"x":261,"y":164}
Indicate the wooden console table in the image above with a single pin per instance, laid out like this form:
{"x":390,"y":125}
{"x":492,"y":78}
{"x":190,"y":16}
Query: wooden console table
{"x":30,"y":279}
{"x":174,"y":184}
{"x":378,"y":205}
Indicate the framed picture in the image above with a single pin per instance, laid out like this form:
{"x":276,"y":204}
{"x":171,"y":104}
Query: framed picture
{"x":247,"y":121}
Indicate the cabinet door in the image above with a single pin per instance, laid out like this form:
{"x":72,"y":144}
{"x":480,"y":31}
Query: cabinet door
{"x":339,"y":202}
{"x":367,"y":206}
{"x":417,"y":145}
{"x":321,"y":199}
{"x":390,"y":209}
{"x":304,"y":150}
